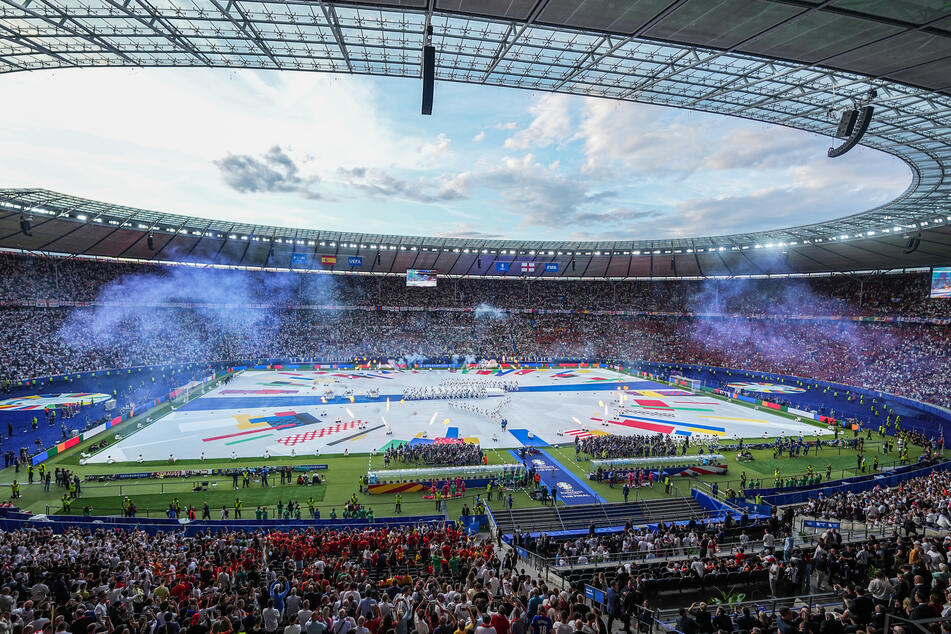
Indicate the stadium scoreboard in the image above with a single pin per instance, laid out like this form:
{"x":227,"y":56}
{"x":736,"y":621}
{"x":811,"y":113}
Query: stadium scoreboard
{"x":941,"y":282}
{"x":420,"y":277}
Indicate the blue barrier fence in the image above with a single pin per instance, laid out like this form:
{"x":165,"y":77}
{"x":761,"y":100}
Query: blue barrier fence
{"x":884,"y":480}
{"x":13,"y":520}
{"x":825,"y":397}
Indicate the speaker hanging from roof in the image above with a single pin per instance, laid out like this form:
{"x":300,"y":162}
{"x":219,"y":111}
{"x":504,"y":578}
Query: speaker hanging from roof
{"x":429,"y":77}
{"x":26,"y":225}
{"x":912,"y":245}
{"x":860,"y":127}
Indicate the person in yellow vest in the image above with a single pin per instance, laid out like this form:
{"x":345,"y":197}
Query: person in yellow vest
{"x":14,"y":490}
{"x":399,"y":503}
{"x":237,"y":508}
{"x":759,"y":498}
{"x":66,"y":502}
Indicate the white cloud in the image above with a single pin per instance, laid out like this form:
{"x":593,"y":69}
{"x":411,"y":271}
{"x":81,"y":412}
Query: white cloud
{"x":551,"y":124}
{"x":201,"y":142}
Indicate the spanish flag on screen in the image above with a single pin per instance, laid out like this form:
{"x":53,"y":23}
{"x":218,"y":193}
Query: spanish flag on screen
{"x":328,"y":259}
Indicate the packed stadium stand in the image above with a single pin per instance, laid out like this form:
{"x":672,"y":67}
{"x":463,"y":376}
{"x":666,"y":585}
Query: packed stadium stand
{"x":784,"y":326}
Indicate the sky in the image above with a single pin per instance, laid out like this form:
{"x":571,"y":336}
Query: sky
{"x":352,"y":153}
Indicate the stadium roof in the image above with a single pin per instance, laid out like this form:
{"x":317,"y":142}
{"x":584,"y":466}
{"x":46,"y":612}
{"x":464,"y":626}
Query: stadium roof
{"x":797,"y":63}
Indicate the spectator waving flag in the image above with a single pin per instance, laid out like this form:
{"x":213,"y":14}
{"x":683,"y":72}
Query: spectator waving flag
{"x":528,"y":267}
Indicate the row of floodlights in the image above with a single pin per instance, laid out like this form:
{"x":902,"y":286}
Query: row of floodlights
{"x":392,"y":247}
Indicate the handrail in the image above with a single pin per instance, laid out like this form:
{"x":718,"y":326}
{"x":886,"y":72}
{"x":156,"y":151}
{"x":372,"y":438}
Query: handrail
{"x":664,"y":554}
{"x":667,"y":615}
{"x":560,"y":520}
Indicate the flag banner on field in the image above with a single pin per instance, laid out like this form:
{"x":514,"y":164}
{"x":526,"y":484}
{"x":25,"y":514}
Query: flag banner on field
{"x":355,"y":260}
{"x":528,"y":267}
{"x":328,"y":259}
{"x":551,"y":266}
{"x":502,"y":267}
{"x":298,"y":260}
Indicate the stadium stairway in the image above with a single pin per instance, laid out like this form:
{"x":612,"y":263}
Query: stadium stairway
{"x":577,"y":518}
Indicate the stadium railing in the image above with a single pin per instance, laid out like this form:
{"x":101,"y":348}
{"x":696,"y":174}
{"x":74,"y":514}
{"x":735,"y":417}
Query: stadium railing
{"x":665,"y":619}
{"x":660,"y":555}
{"x":113,"y":510}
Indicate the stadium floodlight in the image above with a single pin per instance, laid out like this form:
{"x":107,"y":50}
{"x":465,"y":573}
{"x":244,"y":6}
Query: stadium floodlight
{"x":82,"y":217}
{"x":758,"y":246}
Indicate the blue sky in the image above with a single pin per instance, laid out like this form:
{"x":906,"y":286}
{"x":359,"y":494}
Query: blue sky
{"x":354,"y":154}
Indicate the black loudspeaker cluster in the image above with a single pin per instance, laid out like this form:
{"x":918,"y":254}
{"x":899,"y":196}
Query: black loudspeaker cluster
{"x":429,"y":77}
{"x":912,"y":245}
{"x":858,"y":129}
{"x":847,"y":123}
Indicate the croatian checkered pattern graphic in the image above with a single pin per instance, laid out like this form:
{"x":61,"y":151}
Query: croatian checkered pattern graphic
{"x":295,"y":439}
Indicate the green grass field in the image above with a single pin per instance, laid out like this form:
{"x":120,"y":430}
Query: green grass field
{"x":343,"y":475}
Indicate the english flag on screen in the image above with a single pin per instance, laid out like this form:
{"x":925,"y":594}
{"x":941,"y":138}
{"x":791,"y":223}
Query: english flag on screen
{"x":528,"y":267}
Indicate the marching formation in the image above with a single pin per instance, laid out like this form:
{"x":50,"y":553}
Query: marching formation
{"x":494,"y":414}
{"x":457,"y":387}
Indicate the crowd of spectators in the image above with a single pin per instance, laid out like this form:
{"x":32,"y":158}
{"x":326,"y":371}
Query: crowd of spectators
{"x":910,"y":359}
{"x":635,"y":445}
{"x":905,"y":359}
{"x":915,"y":505}
{"x":436,"y":453}
{"x":34,"y":278}
{"x":666,"y":540}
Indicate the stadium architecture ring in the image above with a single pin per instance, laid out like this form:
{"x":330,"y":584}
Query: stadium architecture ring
{"x":796,"y":63}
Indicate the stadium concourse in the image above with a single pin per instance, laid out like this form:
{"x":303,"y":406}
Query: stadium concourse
{"x":296,"y":412}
